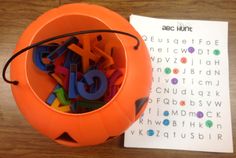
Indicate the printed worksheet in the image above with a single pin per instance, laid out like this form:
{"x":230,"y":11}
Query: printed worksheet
{"x":189,"y":104}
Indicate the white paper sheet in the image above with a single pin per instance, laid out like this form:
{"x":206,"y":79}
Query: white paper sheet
{"x":189,"y":106}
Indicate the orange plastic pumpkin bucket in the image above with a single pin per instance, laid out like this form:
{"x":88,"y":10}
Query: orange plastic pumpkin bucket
{"x":93,"y":127}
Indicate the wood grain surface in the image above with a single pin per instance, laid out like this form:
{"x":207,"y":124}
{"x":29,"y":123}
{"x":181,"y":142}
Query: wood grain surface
{"x":19,"y":139}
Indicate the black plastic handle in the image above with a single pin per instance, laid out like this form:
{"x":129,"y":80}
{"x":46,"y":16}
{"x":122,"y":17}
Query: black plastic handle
{"x":59,"y":37}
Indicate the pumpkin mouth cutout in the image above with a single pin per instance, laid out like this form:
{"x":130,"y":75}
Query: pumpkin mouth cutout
{"x":65,"y":138}
{"x":43,"y":85}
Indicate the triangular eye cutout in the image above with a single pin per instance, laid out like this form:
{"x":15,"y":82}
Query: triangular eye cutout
{"x":111,"y":137}
{"x":66,"y":137}
{"x":139,"y":104}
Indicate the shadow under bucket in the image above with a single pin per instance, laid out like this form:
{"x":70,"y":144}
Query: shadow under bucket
{"x":108,"y":121}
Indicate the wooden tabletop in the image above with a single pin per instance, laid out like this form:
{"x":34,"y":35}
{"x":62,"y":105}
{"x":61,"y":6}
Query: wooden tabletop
{"x":19,"y":139}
